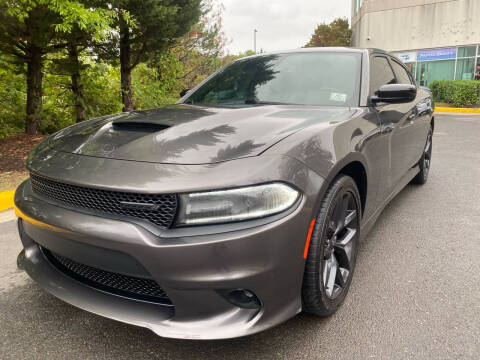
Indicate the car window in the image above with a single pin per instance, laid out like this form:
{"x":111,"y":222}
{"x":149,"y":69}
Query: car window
{"x":380,"y":74}
{"x":328,"y":79}
{"x":402,"y":75}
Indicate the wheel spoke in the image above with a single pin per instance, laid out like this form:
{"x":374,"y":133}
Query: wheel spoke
{"x":429,"y":142}
{"x":427,"y":155}
{"x":342,"y":277}
{"x":341,"y":213}
{"x":427,"y":163}
{"x":352,"y":215}
{"x":344,"y":245}
{"x":336,"y":216}
{"x":330,"y":274}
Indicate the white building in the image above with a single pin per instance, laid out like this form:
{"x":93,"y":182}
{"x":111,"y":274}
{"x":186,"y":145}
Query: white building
{"x":438,"y":39}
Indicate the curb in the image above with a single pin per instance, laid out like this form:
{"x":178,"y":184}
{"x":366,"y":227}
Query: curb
{"x":6,"y":199}
{"x":458,"y":110}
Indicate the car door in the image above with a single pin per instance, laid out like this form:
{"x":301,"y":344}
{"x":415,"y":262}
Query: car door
{"x":396,"y":126}
{"x":416,"y":121}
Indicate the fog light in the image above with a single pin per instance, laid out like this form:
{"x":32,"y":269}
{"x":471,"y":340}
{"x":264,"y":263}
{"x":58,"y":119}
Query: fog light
{"x":244,"y":299}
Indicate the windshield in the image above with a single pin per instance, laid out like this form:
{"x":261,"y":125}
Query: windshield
{"x":329,"y":79}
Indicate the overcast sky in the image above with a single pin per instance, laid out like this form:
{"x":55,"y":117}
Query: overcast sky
{"x":281,"y":24}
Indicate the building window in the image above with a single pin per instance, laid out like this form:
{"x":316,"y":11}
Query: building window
{"x":477,"y":69}
{"x":357,"y":4}
{"x":429,"y":71}
{"x":443,"y":63}
{"x":467,"y":51}
{"x":465,"y":68}
{"x":466,"y":63}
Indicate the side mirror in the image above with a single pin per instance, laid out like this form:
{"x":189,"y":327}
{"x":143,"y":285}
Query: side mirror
{"x":184,"y":92}
{"x":395,"y":94}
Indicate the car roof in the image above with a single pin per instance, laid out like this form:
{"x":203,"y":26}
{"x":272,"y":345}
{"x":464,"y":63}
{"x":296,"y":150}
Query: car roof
{"x":320,"y":49}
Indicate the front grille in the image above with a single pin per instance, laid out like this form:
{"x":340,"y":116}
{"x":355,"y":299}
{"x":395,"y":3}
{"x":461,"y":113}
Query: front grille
{"x":133,"y":205}
{"x":114,"y":283}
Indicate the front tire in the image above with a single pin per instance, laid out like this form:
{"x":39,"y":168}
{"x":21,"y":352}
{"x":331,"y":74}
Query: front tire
{"x":333,"y":249}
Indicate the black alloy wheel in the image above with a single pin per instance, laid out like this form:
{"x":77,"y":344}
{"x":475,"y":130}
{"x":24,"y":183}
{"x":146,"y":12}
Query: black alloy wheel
{"x":427,"y":156}
{"x":333,"y":249}
{"x":425,"y":161}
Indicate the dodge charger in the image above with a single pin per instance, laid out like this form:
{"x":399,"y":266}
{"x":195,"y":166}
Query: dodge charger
{"x":236,"y":208}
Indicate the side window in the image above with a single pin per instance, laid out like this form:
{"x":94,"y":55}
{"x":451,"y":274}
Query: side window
{"x":402,"y":75}
{"x":380,"y":74}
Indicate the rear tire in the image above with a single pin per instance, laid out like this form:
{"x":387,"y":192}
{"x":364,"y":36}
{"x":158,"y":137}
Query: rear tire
{"x":333,"y":249}
{"x":425,"y":161}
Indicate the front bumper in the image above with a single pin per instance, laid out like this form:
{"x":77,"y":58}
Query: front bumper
{"x":194,"y":267}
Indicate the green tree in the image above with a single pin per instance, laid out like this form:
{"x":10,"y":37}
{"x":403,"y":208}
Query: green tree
{"x":200,"y":51}
{"x":28,"y":32}
{"x":70,"y":63}
{"x":337,"y":33}
{"x":12,"y":99}
{"x":100,"y":88}
{"x":146,"y":30}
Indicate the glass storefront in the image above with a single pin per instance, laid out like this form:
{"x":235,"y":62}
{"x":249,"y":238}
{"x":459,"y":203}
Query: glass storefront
{"x":429,"y":71}
{"x":465,"y":69}
{"x":456,"y":63}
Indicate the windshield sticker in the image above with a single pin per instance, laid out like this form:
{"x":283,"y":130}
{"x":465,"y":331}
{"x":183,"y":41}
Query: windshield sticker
{"x":338,"y":97}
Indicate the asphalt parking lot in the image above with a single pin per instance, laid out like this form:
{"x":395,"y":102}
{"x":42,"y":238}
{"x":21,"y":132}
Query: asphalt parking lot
{"x":415,"y":295}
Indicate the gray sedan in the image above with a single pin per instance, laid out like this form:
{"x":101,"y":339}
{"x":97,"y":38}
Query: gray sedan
{"x":235,"y":209}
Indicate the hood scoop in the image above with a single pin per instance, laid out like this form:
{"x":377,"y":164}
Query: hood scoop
{"x":140,"y":126}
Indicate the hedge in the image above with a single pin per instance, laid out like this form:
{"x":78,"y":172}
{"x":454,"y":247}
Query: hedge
{"x":456,"y":92}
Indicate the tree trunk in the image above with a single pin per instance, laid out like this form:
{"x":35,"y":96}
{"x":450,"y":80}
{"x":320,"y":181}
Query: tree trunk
{"x":34,"y":92}
{"x":77,"y":87}
{"x":125,"y":67}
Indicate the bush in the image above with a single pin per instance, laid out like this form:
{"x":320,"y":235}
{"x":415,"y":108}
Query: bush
{"x":456,"y":92}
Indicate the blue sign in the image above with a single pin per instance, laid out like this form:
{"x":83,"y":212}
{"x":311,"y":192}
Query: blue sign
{"x":437,"y":54}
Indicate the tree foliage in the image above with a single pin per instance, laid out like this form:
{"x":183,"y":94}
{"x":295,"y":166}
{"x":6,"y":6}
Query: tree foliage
{"x":146,"y":30}
{"x":337,"y":33}
{"x":77,"y":72}
{"x":12,"y":99}
{"x":201,"y":50}
{"x":28,"y":32}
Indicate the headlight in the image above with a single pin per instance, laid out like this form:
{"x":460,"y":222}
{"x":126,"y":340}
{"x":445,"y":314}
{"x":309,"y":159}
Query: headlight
{"x":235,"y":204}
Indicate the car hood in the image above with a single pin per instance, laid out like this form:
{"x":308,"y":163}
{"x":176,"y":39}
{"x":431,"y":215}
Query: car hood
{"x":183,"y":134}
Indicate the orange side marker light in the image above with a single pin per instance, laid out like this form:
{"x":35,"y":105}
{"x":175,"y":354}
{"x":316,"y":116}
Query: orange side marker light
{"x":309,"y":237}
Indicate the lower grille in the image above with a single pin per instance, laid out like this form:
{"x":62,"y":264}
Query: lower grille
{"x":113,"y":283}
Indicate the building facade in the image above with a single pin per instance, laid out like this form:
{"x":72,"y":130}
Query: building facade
{"x":437,"y":39}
